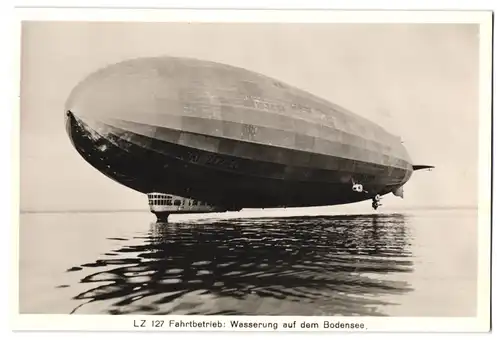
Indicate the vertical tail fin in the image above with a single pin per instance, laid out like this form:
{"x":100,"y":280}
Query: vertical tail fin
{"x":399,"y":192}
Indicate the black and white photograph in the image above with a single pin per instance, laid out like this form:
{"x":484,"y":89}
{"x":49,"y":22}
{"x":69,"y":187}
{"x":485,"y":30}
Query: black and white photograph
{"x":333,"y":169}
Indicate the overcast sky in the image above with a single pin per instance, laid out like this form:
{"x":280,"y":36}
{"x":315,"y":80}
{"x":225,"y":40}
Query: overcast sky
{"x":419,"y":81}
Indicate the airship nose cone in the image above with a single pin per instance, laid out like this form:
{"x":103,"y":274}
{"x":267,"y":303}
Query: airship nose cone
{"x":73,"y":127}
{"x":68,"y":117}
{"x":121,"y":90}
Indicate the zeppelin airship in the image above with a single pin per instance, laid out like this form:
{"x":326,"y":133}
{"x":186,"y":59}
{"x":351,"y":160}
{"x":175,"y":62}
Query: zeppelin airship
{"x":199,"y":136}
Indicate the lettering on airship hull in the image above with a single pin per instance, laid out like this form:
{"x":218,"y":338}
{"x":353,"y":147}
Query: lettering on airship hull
{"x":261,"y":104}
{"x":211,"y":160}
{"x":217,"y":160}
{"x":301,"y":108}
{"x":193,"y":157}
{"x":249,"y":131}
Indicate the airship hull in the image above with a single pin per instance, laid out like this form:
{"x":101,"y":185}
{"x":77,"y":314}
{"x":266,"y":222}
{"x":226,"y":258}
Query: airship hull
{"x":228,"y":136}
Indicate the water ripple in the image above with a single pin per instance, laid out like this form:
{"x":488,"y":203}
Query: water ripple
{"x":342,"y":265}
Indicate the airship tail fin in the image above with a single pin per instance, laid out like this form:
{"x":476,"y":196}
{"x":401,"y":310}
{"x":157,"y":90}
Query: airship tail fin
{"x":421,"y":167}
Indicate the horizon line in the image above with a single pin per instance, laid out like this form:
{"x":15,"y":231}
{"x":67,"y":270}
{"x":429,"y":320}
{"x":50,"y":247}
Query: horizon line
{"x":423,"y":207}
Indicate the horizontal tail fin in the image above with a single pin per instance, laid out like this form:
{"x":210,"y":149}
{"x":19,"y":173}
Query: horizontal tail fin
{"x":421,"y":167}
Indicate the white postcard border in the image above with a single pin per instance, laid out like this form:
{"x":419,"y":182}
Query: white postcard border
{"x":372,"y":324}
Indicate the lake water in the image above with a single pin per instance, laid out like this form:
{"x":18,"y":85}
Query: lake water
{"x":421,"y":263}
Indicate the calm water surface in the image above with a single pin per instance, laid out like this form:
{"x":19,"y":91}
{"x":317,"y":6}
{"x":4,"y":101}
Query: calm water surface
{"x":417,"y":264}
